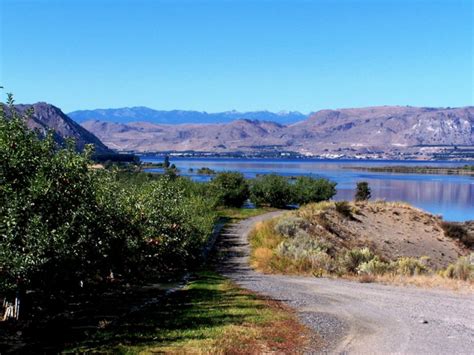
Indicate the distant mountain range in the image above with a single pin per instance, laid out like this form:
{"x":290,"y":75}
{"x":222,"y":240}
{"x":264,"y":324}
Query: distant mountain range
{"x":395,"y":132}
{"x":137,"y":114}
{"x":385,"y":131}
{"x":47,"y":117}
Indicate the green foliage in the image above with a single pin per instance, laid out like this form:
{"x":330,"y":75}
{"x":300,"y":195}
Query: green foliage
{"x":363,"y":191}
{"x":373,"y":267}
{"x":271,"y":190}
{"x":410,"y":266}
{"x":276,"y":191}
{"x":302,"y":245}
{"x":172,"y":222}
{"x":205,"y":171}
{"x":166,"y":162}
{"x":233,"y":213}
{"x":47,"y":205}
{"x":307,"y":252}
{"x":307,"y":189}
{"x":171,"y":172}
{"x":353,"y":258}
{"x":62,"y":222}
{"x":230,"y":188}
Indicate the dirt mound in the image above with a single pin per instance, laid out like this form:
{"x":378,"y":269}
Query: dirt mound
{"x":390,"y":230}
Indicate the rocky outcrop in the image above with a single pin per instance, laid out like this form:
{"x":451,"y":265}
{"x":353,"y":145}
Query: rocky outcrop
{"x":47,"y":117}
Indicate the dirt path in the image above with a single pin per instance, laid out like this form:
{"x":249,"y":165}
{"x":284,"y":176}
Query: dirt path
{"x":359,"y":318}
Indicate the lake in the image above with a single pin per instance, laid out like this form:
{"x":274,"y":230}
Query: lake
{"x":451,"y":196}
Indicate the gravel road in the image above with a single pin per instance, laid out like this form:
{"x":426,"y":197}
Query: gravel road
{"x":359,"y":318}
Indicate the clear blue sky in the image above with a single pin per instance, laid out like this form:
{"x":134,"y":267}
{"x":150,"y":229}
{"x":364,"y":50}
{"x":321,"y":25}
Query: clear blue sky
{"x":245,"y":55}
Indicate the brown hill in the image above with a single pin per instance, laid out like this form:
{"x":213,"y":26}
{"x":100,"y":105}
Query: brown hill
{"x":388,"y":125}
{"x":47,"y":117}
{"x":144,"y":136}
{"x":350,"y":132}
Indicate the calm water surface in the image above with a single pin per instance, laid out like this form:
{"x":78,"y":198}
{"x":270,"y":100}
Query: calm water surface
{"x":451,"y":196}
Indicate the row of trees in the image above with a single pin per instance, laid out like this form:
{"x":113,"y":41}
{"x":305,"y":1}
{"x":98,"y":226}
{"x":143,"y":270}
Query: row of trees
{"x":64,"y":225}
{"x":232,"y":189}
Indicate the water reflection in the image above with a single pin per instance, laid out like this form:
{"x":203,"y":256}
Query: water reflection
{"x":451,"y":196}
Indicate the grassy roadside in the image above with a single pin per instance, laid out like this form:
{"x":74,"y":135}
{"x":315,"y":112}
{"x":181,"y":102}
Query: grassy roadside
{"x":234,"y":214}
{"x":210,"y":315}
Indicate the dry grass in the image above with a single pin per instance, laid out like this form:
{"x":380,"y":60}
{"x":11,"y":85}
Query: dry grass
{"x":427,"y":281}
{"x":264,"y":241}
{"x":262,"y":258}
{"x":272,"y":252}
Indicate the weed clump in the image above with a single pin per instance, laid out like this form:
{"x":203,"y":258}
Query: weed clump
{"x":289,"y":226}
{"x":343,"y":208}
{"x":353,"y":258}
{"x":301,"y":245}
{"x":411,"y":266}
{"x":462,"y":269}
{"x":374,"y":267}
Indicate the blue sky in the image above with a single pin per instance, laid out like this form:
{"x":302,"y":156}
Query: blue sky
{"x":245,"y":55}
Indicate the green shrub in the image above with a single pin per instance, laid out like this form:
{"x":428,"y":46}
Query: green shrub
{"x":363,"y":191}
{"x":63,"y":224}
{"x":410,"y":266}
{"x":462,"y":269}
{"x":353,"y":258}
{"x":205,"y":171}
{"x":301,"y":246}
{"x":288,"y":226}
{"x":307,"y":189}
{"x":373,"y":267}
{"x":322,"y":263}
{"x":230,"y":188}
{"x":307,"y":252}
{"x":271,"y":190}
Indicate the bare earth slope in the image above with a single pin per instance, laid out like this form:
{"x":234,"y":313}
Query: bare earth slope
{"x":348,"y":132}
{"x":145,"y":136}
{"x":48,"y":117}
{"x":390,"y":229}
{"x":359,"y":318}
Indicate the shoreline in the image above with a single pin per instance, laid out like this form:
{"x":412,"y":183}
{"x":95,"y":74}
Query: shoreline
{"x":430,"y":170}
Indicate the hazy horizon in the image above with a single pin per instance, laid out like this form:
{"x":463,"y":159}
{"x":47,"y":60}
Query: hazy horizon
{"x":262,"y":109}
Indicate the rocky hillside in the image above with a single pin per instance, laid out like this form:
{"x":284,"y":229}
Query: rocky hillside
{"x":143,"y":136}
{"x":385,"y":131}
{"x":48,"y":117}
{"x":396,"y":126}
{"x":137,"y":114}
